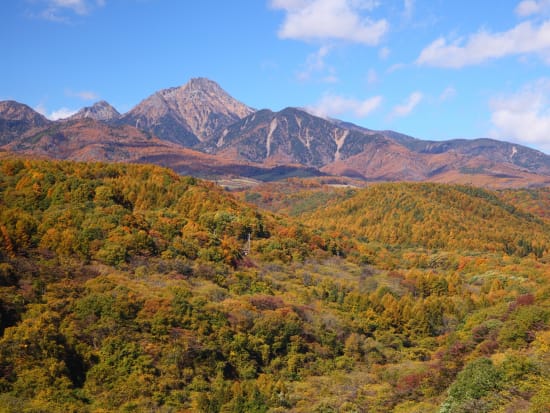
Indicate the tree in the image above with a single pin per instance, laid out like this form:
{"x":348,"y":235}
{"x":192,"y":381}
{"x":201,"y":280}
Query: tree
{"x":467,"y":394}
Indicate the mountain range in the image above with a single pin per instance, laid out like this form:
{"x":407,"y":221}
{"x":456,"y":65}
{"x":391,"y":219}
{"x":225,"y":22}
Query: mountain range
{"x":199,"y":129}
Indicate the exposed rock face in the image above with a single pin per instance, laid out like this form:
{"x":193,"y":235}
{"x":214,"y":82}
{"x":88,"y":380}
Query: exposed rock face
{"x":190,"y":114}
{"x":101,"y":111}
{"x":16,"y":118}
{"x":289,"y":136}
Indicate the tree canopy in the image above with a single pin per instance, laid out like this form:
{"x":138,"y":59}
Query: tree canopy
{"x":125,"y":288}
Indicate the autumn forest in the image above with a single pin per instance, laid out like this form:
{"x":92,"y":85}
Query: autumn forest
{"x":130,"y":288}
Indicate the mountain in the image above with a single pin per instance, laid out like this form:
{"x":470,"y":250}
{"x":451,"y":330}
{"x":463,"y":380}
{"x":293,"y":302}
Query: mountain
{"x":91,"y":140}
{"x":86,"y":139}
{"x":293,"y":136}
{"x":199,"y":128}
{"x":456,"y":160}
{"x":289,"y":136}
{"x":189,"y":114}
{"x":101,"y":111}
{"x":493,"y":150}
{"x":17,"y":118}
{"x":390,"y":161}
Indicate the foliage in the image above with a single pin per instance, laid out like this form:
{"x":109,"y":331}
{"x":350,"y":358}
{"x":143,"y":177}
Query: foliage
{"x":125,"y":288}
{"x":436,"y":217}
{"x":535,"y":201}
{"x":467,"y":393}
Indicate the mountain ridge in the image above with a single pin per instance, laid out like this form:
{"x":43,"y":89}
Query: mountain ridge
{"x":219,"y":130}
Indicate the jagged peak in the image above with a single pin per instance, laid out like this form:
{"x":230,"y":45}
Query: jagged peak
{"x":200,"y":107}
{"x":13,"y":110}
{"x":6,"y":104}
{"x":201,"y":83}
{"x":101,"y":111}
{"x":102,"y":103}
{"x":294,"y":110}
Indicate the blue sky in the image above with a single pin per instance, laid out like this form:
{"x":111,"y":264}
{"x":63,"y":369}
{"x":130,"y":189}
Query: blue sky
{"x":433,"y":69}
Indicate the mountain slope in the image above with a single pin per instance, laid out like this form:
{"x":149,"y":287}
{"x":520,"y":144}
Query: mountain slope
{"x":289,"y":136}
{"x":126,"y":288}
{"x":189,"y":114}
{"x":492,"y":150}
{"x":434,"y":216}
{"x":536,"y":201}
{"x":16,"y":119}
{"x":86,"y":139}
{"x":297,"y":137}
{"x":388,"y":161}
{"x":90,"y":140}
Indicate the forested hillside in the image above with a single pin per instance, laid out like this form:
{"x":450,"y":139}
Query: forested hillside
{"x":536,"y":201}
{"x":436,"y":216}
{"x":128,"y":288}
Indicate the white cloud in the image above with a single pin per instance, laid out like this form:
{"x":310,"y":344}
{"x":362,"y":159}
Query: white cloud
{"x":408,"y":9}
{"x":84,"y":94}
{"x":61,"y":113}
{"x":372,"y":76}
{"x":78,"y":6}
{"x":384,"y":53}
{"x":56,"y":10}
{"x":288,"y":4}
{"x":447,"y":94}
{"x":331,"y":77}
{"x":87,"y":95}
{"x":315,"y":63}
{"x":524,"y":117}
{"x":395,"y":67}
{"x":483,"y":46}
{"x":41,"y":108}
{"x":333,"y":105}
{"x":330,"y":19}
{"x":408,"y":106}
{"x":530,"y":7}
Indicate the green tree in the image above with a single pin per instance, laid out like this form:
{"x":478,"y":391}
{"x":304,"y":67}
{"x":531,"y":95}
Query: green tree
{"x":467,"y":394}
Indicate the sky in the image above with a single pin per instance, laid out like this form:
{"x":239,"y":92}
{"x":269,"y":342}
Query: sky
{"x":432,"y":69}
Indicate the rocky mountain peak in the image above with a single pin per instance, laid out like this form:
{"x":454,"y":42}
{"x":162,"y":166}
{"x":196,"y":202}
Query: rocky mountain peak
{"x":205,"y":92}
{"x":11,"y":110}
{"x":101,"y":111}
{"x":203,"y":84}
{"x":192,"y":113}
{"x":15,"y":118}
